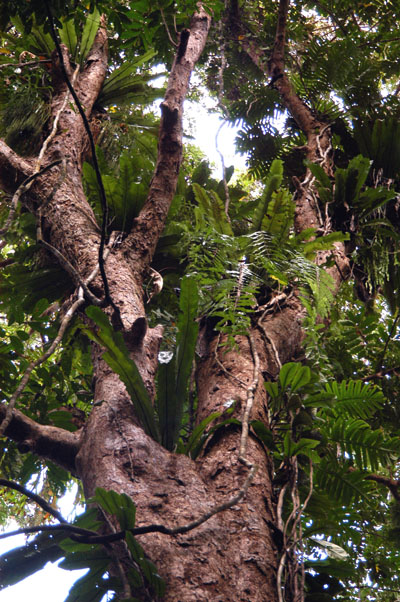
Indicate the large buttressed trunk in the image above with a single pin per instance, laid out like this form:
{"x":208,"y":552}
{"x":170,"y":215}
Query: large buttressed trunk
{"x":233,"y":554}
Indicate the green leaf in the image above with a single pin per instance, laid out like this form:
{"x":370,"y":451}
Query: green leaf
{"x":68,"y":36}
{"x":272,"y":389}
{"x":188,"y":329}
{"x":279,"y":218}
{"x":174,"y":376}
{"x":322,"y":243}
{"x":348,"y":182}
{"x":198,"y":432}
{"x":212,"y":207}
{"x":117,"y":357}
{"x":148,"y":568}
{"x":301,"y":379}
{"x":368,"y":448}
{"x":272,"y":184}
{"x":300,"y":447}
{"x":88,"y":588}
{"x":89,"y":33}
{"x":294,"y":375}
{"x":287,"y":445}
{"x":264,"y":434}
{"x":319,"y":174}
{"x":87,"y":558}
{"x":167,"y":402}
{"x":117,"y":504}
{"x":355,"y":398}
{"x":125,"y":85}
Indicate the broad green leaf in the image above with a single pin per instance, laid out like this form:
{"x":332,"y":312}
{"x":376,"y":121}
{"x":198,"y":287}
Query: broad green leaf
{"x":86,"y":589}
{"x":301,"y":378}
{"x":279,"y":218}
{"x":198,"y":432}
{"x":349,"y":181}
{"x":272,"y":389}
{"x":263,"y":433}
{"x":300,"y":447}
{"x":212,"y":207}
{"x":174,"y":376}
{"x":320,"y":174}
{"x":88,"y":558}
{"x":294,"y":375}
{"x":272,"y":184}
{"x":117,"y":357}
{"x":148,"y":568}
{"x":89,"y":34}
{"x":188,"y":329}
{"x":68,"y":36}
{"x":117,"y":504}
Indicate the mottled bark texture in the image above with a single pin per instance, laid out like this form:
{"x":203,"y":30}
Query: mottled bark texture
{"x":232,"y":556}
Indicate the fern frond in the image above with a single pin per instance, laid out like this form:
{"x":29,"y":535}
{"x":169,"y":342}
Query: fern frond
{"x":368,"y":448}
{"x":355,"y":398}
{"x":341,"y":483}
{"x":126,"y":86}
{"x":212,"y":208}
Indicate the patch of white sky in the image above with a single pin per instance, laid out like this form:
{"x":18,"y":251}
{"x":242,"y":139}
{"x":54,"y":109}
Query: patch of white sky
{"x":205,"y":127}
{"x":51,"y":584}
{"x":213,"y":135}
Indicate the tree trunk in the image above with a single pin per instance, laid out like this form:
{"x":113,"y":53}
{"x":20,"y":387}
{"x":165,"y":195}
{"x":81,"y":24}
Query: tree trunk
{"x":236,"y":554}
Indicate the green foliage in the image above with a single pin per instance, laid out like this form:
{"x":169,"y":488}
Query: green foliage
{"x":125,"y":195}
{"x":79,"y":40}
{"x":117,"y":357}
{"x":275,"y":210}
{"x":119,"y":505}
{"x":88,"y":34}
{"x":355,"y":398}
{"x":232,"y":268}
{"x":201,"y":433}
{"x":212,"y":208}
{"x":368,"y":448}
{"x":125,"y":86}
{"x":96,"y":582}
{"x":379,"y":141}
{"x":339,"y":416}
{"x":173,"y":377}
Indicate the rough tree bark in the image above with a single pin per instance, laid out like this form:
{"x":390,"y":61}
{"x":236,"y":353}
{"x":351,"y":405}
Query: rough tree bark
{"x":234,"y":555}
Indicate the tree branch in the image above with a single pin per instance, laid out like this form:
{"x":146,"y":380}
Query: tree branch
{"x":57,"y":340}
{"x":22,"y":188}
{"x":50,"y":442}
{"x":103,"y":199}
{"x":34,"y":497}
{"x":13,"y":168}
{"x":39,"y":528}
{"x":274,"y":67}
{"x":380,"y":373}
{"x":142,"y":241}
{"x":392,"y":484}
